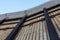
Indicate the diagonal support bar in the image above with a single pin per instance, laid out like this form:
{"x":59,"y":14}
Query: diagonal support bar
{"x":51,"y":29}
{"x":15,"y":31}
{"x":2,"y":21}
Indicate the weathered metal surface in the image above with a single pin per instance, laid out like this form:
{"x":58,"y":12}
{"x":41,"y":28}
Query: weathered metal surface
{"x":35,"y":28}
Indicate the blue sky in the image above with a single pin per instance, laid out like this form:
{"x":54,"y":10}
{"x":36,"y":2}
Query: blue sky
{"x":7,"y":6}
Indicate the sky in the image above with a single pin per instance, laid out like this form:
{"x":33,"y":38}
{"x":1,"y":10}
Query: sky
{"x":8,"y":6}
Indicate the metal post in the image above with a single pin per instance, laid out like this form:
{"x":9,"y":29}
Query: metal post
{"x":51,"y":30}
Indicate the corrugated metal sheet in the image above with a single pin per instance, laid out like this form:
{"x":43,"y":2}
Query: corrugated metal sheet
{"x":38,"y":30}
{"x":4,"y":33}
{"x":33,"y":29}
